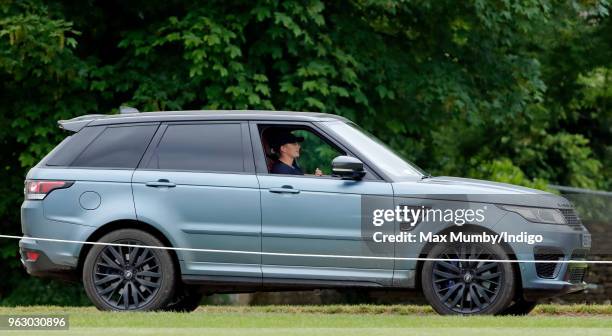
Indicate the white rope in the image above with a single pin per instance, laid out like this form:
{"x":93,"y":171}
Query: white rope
{"x":309,"y":255}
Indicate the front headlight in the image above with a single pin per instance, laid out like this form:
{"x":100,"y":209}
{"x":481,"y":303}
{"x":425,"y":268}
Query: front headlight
{"x":539,"y":215}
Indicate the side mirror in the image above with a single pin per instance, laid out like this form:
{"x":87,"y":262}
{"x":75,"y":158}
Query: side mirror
{"x":348,"y":168}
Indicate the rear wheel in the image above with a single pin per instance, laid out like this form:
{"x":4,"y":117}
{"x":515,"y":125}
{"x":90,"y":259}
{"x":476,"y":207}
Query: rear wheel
{"x":468,"y":287}
{"x":129,"y":277}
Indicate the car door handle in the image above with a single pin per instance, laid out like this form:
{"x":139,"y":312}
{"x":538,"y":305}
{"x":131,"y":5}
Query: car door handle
{"x":286,"y":189}
{"x":161,"y":183}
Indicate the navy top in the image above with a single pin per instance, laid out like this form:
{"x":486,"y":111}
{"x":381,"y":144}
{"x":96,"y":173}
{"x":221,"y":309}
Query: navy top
{"x":280,"y":167}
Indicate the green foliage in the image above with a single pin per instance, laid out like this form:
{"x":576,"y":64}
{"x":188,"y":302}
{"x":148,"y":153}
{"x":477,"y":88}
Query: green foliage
{"x":47,"y":292}
{"x":315,"y":153}
{"x":503,"y":170}
{"x":511,"y":91}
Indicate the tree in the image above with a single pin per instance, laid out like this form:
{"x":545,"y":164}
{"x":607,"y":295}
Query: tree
{"x":488,"y":89}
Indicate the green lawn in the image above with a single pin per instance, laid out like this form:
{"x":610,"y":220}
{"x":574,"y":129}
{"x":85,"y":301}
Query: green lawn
{"x":325,"y":320}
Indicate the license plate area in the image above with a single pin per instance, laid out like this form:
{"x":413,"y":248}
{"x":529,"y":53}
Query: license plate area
{"x":586,"y":240}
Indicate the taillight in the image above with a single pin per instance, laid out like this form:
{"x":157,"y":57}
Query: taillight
{"x":37,"y":190}
{"x":32,"y":256}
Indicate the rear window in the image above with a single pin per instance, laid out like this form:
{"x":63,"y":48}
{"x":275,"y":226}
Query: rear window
{"x":116,"y":147}
{"x":200,"y":147}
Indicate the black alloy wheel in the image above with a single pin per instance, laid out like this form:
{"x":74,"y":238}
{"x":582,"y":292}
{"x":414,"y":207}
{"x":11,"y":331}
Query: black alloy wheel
{"x":459,"y":285}
{"x":128,"y":278}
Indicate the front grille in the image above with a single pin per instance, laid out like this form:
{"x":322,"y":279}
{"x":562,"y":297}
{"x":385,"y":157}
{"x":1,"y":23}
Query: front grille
{"x":572,"y":219}
{"x":576,"y":275}
{"x":547,"y":270}
{"x":579,"y":255}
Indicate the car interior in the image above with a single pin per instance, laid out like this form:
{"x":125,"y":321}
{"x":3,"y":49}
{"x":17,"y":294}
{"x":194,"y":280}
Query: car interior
{"x":316,"y":152}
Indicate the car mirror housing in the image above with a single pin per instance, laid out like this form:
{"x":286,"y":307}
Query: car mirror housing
{"x":348,"y":168}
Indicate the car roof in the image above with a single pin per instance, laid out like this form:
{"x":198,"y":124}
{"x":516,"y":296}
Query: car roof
{"x":76,"y":124}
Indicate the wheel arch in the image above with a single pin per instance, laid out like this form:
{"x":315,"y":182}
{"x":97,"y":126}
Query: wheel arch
{"x":126,"y":224}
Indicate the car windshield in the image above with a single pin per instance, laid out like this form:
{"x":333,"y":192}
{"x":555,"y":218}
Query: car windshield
{"x":376,"y":151}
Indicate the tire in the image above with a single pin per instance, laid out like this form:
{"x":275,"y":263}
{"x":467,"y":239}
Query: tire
{"x":520,"y":308}
{"x":129,"y":278}
{"x":186,"y":300}
{"x":468,"y":288}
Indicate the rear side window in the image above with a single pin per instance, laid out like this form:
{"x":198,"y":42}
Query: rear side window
{"x":65,"y":153}
{"x":116,"y":147}
{"x":200,"y":147}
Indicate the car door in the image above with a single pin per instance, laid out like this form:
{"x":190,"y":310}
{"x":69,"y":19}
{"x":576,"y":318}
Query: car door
{"x":197,"y":184}
{"x":312,"y":225}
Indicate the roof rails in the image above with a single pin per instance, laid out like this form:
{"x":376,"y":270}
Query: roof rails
{"x":127,"y":110}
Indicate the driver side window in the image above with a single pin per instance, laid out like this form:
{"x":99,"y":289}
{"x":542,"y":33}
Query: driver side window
{"x":315,"y":152}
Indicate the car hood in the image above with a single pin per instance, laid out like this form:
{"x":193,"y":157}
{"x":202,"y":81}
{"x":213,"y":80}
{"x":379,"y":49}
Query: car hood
{"x":473,"y":190}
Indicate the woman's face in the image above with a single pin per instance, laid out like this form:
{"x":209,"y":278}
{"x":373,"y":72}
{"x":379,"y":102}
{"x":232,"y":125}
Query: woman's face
{"x":291,"y":149}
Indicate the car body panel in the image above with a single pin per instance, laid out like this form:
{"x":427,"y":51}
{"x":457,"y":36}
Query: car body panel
{"x":206,"y":211}
{"x":304,"y":224}
{"x":62,"y":216}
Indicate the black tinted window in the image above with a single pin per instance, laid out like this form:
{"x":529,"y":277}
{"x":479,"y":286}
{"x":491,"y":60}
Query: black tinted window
{"x":200,"y":147}
{"x":72,"y":146}
{"x":117,"y":147}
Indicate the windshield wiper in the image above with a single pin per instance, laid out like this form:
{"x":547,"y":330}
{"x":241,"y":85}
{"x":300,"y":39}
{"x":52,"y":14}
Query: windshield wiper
{"x":426,"y":176}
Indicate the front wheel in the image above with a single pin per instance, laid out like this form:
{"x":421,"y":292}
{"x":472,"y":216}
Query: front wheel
{"x":129,"y":277}
{"x":468,"y":287}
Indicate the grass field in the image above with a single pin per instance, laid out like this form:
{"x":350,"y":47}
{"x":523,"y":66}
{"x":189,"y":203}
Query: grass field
{"x":324,"y":320}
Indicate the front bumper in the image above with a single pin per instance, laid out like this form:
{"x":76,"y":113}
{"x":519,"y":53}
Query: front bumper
{"x":561,"y":243}
{"x":569,"y":279}
{"x":539,"y":294}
